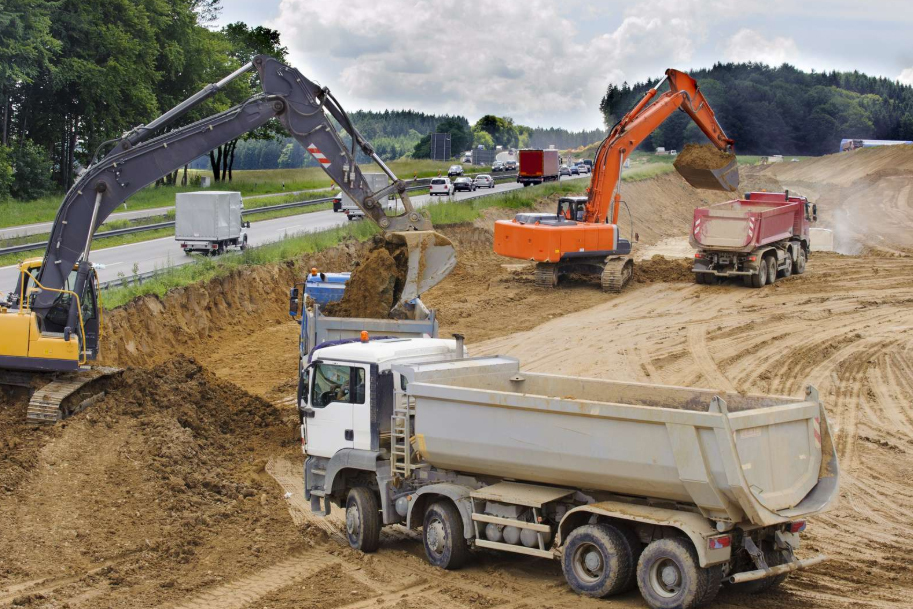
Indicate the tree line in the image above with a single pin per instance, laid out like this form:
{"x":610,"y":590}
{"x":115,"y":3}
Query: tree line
{"x":781,"y":110}
{"x":76,"y":74}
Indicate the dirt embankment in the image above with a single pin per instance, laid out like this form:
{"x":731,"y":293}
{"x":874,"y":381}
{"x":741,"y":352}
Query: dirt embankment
{"x":155,"y":491}
{"x":864,"y":196}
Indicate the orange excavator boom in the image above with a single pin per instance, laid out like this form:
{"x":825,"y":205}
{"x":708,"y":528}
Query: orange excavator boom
{"x":634,"y":128}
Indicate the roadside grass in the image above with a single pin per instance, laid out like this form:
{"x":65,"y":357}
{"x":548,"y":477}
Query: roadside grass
{"x":291,"y":248}
{"x":247,"y":182}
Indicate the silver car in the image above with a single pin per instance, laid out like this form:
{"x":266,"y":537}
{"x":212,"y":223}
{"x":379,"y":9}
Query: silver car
{"x":484,"y":181}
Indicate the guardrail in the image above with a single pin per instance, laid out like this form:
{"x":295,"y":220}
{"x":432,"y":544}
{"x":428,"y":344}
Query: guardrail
{"x":139,"y":278}
{"x":27,"y":247}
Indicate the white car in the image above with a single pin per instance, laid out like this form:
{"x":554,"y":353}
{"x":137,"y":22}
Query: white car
{"x":582,"y":168}
{"x":484,"y":181}
{"x":440,"y":186}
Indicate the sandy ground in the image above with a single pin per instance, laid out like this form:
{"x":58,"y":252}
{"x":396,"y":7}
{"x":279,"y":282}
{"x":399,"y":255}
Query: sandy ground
{"x":191,"y":497}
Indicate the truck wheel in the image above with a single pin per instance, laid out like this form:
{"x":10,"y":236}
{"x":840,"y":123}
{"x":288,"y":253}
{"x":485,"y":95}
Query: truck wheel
{"x":442,"y":532}
{"x":799,"y":262}
{"x":244,"y":244}
{"x":788,"y":268}
{"x":759,"y":279}
{"x":363,"y":519}
{"x":597,"y":561}
{"x":670,"y":577}
{"x":772,"y":269}
{"x":633,"y":548}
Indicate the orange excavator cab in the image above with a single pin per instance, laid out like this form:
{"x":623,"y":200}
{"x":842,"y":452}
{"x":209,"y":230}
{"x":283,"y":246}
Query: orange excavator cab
{"x":583,"y":236}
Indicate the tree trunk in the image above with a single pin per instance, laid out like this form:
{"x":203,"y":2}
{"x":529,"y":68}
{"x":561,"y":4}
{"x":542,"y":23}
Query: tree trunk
{"x":71,"y":151}
{"x":225,"y":148}
{"x":216,"y":163}
{"x":231,"y":161}
{"x":184,"y":179}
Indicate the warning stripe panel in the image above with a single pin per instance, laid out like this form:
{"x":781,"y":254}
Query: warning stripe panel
{"x":315,"y":151}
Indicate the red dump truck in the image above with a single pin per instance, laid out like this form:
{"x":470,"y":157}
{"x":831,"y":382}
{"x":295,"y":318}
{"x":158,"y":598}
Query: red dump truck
{"x":758,"y":238}
{"x":537,"y":166}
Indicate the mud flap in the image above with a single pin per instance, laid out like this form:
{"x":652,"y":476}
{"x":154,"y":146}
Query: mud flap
{"x":431,"y":258}
{"x":725,"y":178}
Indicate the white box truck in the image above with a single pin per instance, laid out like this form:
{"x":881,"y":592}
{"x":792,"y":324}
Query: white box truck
{"x":666,"y":489}
{"x":209,"y":222}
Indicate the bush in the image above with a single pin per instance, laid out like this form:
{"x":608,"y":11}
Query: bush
{"x":31,"y":171}
{"x":6,"y":173}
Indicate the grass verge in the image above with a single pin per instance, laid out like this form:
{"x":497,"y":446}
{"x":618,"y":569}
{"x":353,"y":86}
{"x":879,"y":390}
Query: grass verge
{"x":290,"y":248}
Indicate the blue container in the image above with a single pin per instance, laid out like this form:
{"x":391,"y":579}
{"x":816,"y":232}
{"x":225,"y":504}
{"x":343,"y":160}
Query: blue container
{"x":325,"y":288}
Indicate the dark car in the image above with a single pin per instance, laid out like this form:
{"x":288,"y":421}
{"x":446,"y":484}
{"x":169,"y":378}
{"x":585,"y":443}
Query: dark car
{"x":454,"y":171}
{"x":463,"y":184}
{"x":497,"y":166}
{"x":574,"y":170}
{"x":564,"y":171}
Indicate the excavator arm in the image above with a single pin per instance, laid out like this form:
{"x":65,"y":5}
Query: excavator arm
{"x":138,"y":159}
{"x":635,"y":126}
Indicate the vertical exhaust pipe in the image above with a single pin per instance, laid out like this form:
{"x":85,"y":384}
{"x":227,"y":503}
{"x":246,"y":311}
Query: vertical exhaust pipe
{"x":460,"y":339}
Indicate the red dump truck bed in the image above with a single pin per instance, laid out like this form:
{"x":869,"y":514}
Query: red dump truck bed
{"x":537,"y":166}
{"x":743,"y":225}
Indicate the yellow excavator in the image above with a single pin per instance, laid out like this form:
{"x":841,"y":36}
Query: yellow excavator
{"x":50,"y":324}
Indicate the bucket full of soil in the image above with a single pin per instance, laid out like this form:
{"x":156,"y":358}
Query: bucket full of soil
{"x":394,"y":271}
{"x":706,"y":166}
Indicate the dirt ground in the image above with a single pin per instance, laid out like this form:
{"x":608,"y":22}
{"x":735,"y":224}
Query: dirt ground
{"x":183,"y":488}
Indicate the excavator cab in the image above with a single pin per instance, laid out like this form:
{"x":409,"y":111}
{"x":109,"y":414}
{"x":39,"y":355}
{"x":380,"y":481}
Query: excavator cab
{"x":32,"y":342}
{"x":572,"y":208}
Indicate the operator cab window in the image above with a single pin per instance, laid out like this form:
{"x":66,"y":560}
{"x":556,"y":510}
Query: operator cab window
{"x":337,"y":383}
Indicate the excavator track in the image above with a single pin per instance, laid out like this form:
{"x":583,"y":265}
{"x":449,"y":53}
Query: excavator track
{"x":45,"y":406}
{"x":546,"y":275}
{"x":617,"y":274}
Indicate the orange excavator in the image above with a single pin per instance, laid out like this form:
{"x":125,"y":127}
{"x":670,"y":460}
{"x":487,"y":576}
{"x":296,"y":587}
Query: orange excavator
{"x":583,"y":236}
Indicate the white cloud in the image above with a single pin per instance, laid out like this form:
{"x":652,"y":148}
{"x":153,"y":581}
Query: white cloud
{"x":906,"y":76}
{"x":522,"y":59}
{"x":750,"y":45}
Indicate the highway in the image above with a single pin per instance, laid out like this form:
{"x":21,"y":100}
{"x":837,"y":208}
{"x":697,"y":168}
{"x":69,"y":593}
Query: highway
{"x":43,"y":228}
{"x":165,"y":252}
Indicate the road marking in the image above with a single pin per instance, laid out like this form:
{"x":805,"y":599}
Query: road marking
{"x":279,"y":230}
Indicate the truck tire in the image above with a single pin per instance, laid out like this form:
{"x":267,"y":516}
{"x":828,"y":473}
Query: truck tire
{"x":759,"y":279}
{"x":442,"y":534}
{"x":363,"y":522}
{"x":634,"y":548}
{"x":759,"y":586}
{"x":788,"y":267}
{"x":670,"y":577}
{"x":244,"y":244}
{"x":799,"y":262}
{"x":597,"y":561}
{"x":771,"y":269}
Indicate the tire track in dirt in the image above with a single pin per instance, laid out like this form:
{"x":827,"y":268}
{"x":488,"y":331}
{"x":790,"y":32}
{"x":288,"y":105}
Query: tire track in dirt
{"x":697,"y":345}
{"x":244,"y":591}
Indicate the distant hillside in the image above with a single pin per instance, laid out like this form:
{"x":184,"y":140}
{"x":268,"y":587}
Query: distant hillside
{"x":782,"y":110}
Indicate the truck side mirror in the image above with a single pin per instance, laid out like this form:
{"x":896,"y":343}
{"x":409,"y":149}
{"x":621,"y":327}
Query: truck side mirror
{"x":293,"y":303}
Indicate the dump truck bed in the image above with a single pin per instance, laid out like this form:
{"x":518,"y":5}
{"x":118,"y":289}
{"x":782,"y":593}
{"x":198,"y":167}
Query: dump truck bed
{"x":764,"y":459}
{"x":742,"y":225}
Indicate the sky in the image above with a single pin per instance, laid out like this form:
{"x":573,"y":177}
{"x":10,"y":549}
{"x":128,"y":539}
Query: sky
{"x":548,"y":63}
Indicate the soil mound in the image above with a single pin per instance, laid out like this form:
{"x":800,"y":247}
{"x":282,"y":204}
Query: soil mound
{"x":702,"y":156}
{"x":662,"y":269}
{"x":375,"y":284}
{"x":160,"y":470}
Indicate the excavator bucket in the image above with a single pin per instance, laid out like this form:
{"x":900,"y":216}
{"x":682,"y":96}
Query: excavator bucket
{"x":724,"y":178}
{"x":431,"y":258}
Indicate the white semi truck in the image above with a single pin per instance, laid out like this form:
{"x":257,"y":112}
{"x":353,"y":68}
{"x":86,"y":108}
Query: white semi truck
{"x":672,"y":490}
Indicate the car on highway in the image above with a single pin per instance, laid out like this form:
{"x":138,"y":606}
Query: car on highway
{"x":466,"y":184}
{"x":454,"y":171}
{"x":497,"y":166}
{"x":337,"y":202}
{"x":582,"y":169}
{"x":510,"y":165}
{"x":574,"y":170}
{"x":484,"y":181}
{"x":564,"y":170}
{"x":440,"y":186}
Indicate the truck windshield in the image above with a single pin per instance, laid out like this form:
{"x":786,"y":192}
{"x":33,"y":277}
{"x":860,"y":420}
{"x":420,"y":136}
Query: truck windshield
{"x":337,"y":383}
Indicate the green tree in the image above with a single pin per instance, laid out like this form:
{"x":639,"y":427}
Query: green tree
{"x":6,"y":173}
{"x":244,"y":43}
{"x":482,"y":138}
{"x":26,"y":47}
{"x":501,"y":130}
{"x":31,"y":171}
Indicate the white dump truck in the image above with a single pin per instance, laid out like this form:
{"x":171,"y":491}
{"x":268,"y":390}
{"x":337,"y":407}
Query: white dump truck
{"x":668,"y":489}
{"x":209,"y":222}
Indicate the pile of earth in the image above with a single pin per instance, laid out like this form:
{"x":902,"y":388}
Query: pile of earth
{"x":164,"y":478}
{"x":376,"y":283}
{"x":702,"y":156}
{"x":662,"y":269}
